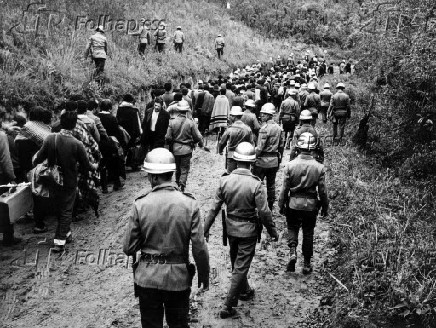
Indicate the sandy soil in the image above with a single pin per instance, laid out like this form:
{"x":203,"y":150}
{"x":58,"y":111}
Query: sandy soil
{"x":90,"y":285}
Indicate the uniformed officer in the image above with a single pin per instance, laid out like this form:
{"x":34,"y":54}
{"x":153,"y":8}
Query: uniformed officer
{"x":235,"y":134}
{"x":339,"y":111}
{"x":247,"y":210}
{"x":182,"y":135}
{"x":306,"y":126}
{"x":269,"y":150}
{"x":303,"y":183}
{"x":250,"y":118}
{"x":289,"y":112}
{"x":164,"y":275}
{"x":326,"y":96}
{"x":312,"y":102}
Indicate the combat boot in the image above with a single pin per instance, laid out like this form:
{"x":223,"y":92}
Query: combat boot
{"x":227,"y":312}
{"x":292,"y":260}
{"x":307,"y":266}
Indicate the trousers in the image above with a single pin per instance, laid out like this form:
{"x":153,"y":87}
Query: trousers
{"x":220,"y":52}
{"x":270,"y":175}
{"x":307,"y":221}
{"x":154,"y":302}
{"x":203,"y":122}
{"x":99,"y":66}
{"x":178,"y":47}
{"x":64,"y":199}
{"x":242,"y":251}
{"x":141,"y":48}
{"x":341,"y":122}
{"x":183,"y":165}
{"x":41,"y":209}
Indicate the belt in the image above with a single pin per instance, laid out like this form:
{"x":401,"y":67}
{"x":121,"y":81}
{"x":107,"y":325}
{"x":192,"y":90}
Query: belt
{"x":163,"y":259}
{"x":240,"y":219}
{"x":269,"y":154}
{"x":302,"y":195}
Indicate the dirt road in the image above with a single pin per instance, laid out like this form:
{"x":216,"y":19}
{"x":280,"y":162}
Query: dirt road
{"x":91,"y":284}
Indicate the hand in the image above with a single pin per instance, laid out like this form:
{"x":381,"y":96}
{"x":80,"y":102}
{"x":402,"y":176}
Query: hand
{"x":206,"y":236}
{"x":203,"y":285}
{"x":274,"y":235}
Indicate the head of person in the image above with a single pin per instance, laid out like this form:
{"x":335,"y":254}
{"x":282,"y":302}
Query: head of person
{"x":183,"y":107}
{"x":236,"y":113}
{"x":179,"y":28}
{"x":306,"y":116}
{"x":307,"y":142}
{"x":82,"y":107}
{"x":188,"y":86}
{"x":68,"y":119}
{"x":250,"y":104}
{"x":326,"y":86}
{"x":267,"y":112}
{"x":158,"y":104}
{"x":168,"y":86}
{"x":36,"y":114}
{"x":311,"y":87}
{"x":206,"y":87}
{"x":160,"y":165}
{"x":340,"y":86}
{"x":93,"y":105}
{"x":129,"y":98}
{"x":106,"y":105}
{"x":100,"y":29}
{"x":244,"y":155}
{"x":184,"y":91}
{"x":178,"y":96}
{"x":223,"y":92}
{"x":20,"y":119}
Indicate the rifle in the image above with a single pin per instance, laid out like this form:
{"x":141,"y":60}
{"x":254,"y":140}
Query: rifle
{"x":223,"y":218}
{"x":259,"y":228}
{"x":134,"y":267}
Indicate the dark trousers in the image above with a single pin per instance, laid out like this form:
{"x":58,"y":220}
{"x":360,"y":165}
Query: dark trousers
{"x":270,"y":175}
{"x":160,"y":47}
{"x":220,"y":52}
{"x":64,"y":199}
{"x":141,"y":48}
{"x":42,"y":207}
{"x":307,"y":221}
{"x":203,"y":123}
{"x":323,"y":113}
{"x":153,"y":303}
{"x":289,"y":128}
{"x":183,"y":164}
{"x":341,"y":122}
{"x":231,"y":165}
{"x":178,"y":47}
{"x":99,"y":66}
{"x":241,"y":254}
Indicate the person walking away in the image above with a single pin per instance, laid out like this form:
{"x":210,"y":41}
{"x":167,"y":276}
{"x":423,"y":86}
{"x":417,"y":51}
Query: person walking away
{"x":236,"y":133}
{"x":144,"y":37}
{"x":163,"y":275}
{"x":64,"y":150}
{"x":339,"y":110}
{"x":179,"y":39}
{"x":220,"y":114}
{"x":161,"y":38}
{"x":219,"y":45}
{"x":82,"y":109}
{"x":304,"y":191}
{"x":326,"y":96}
{"x":155,"y":126}
{"x":92,"y":114}
{"x":128,"y":117}
{"x":247,"y":211}
{"x":97,"y":48}
{"x":204,"y":109}
{"x":289,"y":112}
{"x":250,"y":119}
{"x":312,"y":102}
{"x":182,"y":135}
{"x":306,"y":126}
{"x":269,"y":151}
{"x":168,"y":96}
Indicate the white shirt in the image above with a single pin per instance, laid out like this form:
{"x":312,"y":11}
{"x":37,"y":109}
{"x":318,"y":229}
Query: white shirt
{"x":154,"y":116}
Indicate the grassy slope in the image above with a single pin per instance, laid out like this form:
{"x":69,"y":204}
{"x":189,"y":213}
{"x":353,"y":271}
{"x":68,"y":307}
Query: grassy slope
{"x":43,"y":70}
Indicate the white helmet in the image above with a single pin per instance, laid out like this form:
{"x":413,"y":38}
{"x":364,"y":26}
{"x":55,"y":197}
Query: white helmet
{"x":307,"y":141}
{"x":236,"y":111}
{"x":268,"y":108}
{"x":159,"y":161}
{"x":340,"y":85}
{"x":305,"y":115}
{"x":245,"y":152}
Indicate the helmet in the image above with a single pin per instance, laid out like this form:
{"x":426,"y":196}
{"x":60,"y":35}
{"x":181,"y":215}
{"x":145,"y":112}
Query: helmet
{"x":100,"y":28}
{"x":292,"y":82}
{"x":250,"y":103}
{"x":311,"y":86}
{"x":179,"y":27}
{"x":297,"y":85}
{"x":292,"y":92}
{"x":245,"y":152}
{"x":307,"y":141}
{"x":236,"y":111}
{"x":326,"y":86}
{"x":305,"y":115}
{"x":268,"y":108}
{"x":304,"y":86}
{"x":159,"y":161}
{"x":340,"y":85}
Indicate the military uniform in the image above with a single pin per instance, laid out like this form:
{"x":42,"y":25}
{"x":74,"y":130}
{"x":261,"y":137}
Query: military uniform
{"x":161,"y":225}
{"x":340,"y":110}
{"x":326,"y":96}
{"x":269,"y":150}
{"x":182,"y":135}
{"x":318,"y":153}
{"x":302,"y":185}
{"x":245,"y":197}
{"x":313,"y":103}
{"x":289,"y":111}
{"x":236,"y":133}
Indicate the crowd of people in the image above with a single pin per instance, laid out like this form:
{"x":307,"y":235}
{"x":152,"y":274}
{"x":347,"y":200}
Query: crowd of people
{"x":256,"y":112}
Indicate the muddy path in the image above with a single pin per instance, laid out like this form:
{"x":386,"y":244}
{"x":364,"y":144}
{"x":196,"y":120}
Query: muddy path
{"x":90,"y":285}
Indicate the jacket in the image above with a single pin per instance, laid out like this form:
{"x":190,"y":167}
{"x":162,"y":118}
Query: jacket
{"x":128,"y":118}
{"x":245,"y":198}
{"x":90,"y":126}
{"x":312,"y":102}
{"x":161,"y":128}
{"x":236,"y":133}
{"x":326,"y":96}
{"x":179,"y":37}
{"x":6,"y":168}
{"x":100,"y":128}
{"x":250,"y":119}
{"x":270,"y":143}
{"x":163,"y":222}
{"x":340,"y":105}
{"x":97,"y":46}
{"x":183,"y":134}
{"x":289,"y":110}
{"x":206,"y":107}
{"x":161,"y":36}
{"x":304,"y":182}
{"x":219,"y":42}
